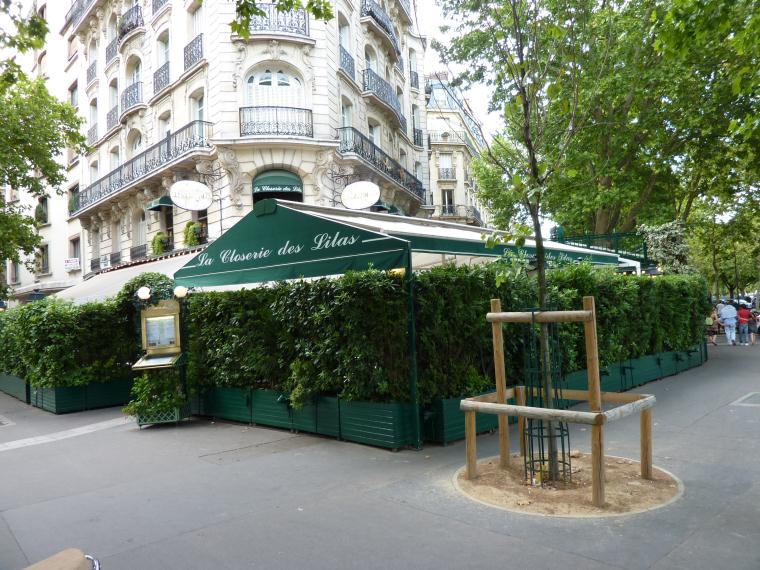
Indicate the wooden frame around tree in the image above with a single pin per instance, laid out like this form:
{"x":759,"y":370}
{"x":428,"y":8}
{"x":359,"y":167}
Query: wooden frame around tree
{"x":496,"y":402}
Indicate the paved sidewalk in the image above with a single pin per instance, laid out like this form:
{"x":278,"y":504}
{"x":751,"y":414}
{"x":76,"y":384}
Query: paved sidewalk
{"x":221,"y":495}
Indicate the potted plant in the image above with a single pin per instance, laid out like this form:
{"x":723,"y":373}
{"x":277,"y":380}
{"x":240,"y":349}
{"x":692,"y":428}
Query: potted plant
{"x":192,"y":229}
{"x":158,"y":243}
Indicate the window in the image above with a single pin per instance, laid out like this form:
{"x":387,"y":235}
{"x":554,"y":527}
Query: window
{"x":344,"y":32}
{"x":73,"y":195}
{"x":415,"y":116}
{"x":374,"y":133}
{"x":94,"y":171}
{"x":43,"y":260}
{"x":113,"y":94}
{"x":134,"y":76}
{"x":136,"y":144}
{"x":74,"y":95}
{"x":402,"y":158}
{"x":447,"y":200}
{"x":412,"y":60}
{"x":370,"y":60}
{"x":12,"y":195}
{"x":93,"y":112}
{"x":164,"y":125}
{"x":138,"y":228}
{"x":13,"y":275}
{"x":41,"y":212}
{"x":114,"y":158}
{"x":197,"y":21}
{"x":346,"y":114}
{"x":163,"y":49}
{"x":200,"y":108}
{"x":418,"y":170}
{"x":75,"y":249}
{"x":444,"y":161}
{"x":274,"y":88}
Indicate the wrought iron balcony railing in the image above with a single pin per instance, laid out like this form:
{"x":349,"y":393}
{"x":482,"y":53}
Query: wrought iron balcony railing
{"x":407,"y":8}
{"x":383,"y":91}
{"x":111,"y":50}
{"x":453,"y":137}
{"x":278,"y":121}
{"x":414,"y":79}
{"x":161,"y":78}
{"x":75,"y":13}
{"x":347,"y":63}
{"x":115,"y":258}
{"x":92,"y":72}
{"x":291,"y":22}
{"x":447,"y":174}
{"x":130,"y":20}
{"x":459,"y":211}
{"x":95,"y":264}
{"x":352,"y":141}
{"x":138,"y":252}
{"x":417,"y":136}
{"x":158,"y":4}
{"x":195,"y":135}
{"x":131,"y":96}
{"x":194,"y":51}
{"x":92,"y":134}
{"x":375,"y":11}
{"x":112,"y":118}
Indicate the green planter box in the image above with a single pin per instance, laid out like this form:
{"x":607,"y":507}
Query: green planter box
{"x":229,"y":404}
{"x":444,"y":421}
{"x":270,"y":408}
{"x":67,"y":399}
{"x":107,"y":394}
{"x":328,"y":416}
{"x":172,"y":416}
{"x":645,"y":369}
{"x":305,"y":418}
{"x":380,"y":424}
{"x":14,"y":386}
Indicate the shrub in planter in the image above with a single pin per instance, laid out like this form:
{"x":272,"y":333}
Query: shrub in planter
{"x":155,"y":394}
{"x":190,"y":234}
{"x":158,"y":243}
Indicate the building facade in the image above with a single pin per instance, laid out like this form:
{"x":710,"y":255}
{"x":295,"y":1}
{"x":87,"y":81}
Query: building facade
{"x":455,"y":139}
{"x":296,"y":111}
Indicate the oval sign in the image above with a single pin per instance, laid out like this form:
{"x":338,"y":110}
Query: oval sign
{"x":191,"y":195}
{"x":360,"y":195}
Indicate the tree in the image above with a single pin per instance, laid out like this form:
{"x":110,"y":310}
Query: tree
{"x":246,"y":10}
{"x":666,"y":245}
{"x":36,"y":129}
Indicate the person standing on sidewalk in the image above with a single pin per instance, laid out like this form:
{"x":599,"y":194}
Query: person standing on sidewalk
{"x":745,"y":316}
{"x":728,"y":320}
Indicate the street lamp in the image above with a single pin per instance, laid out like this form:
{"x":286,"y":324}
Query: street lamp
{"x":143,"y":293}
{"x":180,"y":291}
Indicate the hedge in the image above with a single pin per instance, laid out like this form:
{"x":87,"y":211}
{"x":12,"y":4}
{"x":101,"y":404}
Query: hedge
{"x":347,"y":337}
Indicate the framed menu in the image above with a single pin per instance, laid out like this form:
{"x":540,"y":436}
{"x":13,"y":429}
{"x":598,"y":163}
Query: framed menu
{"x":160,"y":328}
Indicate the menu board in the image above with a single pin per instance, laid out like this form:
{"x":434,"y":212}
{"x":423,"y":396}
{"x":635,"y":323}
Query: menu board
{"x":160,"y":331}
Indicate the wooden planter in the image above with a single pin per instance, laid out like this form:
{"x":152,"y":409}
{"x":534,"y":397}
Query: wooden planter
{"x":380,"y":424}
{"x":14,"y":386}
{"x":229,"y":404}
{"x":67,"y":399}
{"x":271,"y":408}
{"x":444,"y":421}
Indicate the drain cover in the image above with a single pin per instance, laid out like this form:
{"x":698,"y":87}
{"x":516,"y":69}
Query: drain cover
{"x":751,"y":399}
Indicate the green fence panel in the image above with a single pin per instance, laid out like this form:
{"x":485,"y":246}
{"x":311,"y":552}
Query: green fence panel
{"x":270,"y":408}
{"x":14,"y":386}
{"x":304,"y":419}
{"x":229,"y":403}
{"x":61,"y":399}
{"x":106,"y":394}
{"x":444,"y":421}
{"x":328,"y":416}
{"x":386,"y":425}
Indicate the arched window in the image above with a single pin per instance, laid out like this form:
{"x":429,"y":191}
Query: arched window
{"x":134,"y":71}
{"x":370,"y":59}
{"x":163,"y":48}
{"x":134,"y":142}
{"x":272,"y":87}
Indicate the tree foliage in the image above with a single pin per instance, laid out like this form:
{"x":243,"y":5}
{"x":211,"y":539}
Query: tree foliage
{"x":246,"y":10}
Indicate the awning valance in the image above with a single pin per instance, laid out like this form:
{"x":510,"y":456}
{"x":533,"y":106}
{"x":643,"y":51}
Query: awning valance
{"x":277,"y":181}
{"x":158,"y":202}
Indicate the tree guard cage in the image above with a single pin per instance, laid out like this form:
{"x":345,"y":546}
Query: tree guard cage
{"x":282,"y":240}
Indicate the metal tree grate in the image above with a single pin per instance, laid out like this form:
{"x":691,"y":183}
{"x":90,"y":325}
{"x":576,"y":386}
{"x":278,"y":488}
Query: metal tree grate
{"x":547,"y":443}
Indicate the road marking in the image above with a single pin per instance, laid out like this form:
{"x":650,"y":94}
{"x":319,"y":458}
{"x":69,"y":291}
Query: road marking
{"x":59,"y":435}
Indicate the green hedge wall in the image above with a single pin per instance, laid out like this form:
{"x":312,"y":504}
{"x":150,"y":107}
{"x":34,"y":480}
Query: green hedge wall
{"x":348,"y":336}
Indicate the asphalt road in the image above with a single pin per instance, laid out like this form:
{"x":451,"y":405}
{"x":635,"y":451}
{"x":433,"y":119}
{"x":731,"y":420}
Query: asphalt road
{"x":221,"y":495}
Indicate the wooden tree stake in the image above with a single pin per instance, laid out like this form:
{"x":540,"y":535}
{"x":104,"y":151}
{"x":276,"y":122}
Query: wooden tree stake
{"x":501,"y":385}
{"x":471,"y":445}
{"x":646,"y":444}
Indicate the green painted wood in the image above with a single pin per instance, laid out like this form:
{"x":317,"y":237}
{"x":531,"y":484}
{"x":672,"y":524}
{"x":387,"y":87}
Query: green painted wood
{"x":328,"y":416}
{"x":305,"y":418}
{"x":14,"y":386}
{"x":61,"y":399}
{"x":444,"y":421}
{"x":230,"y":403}
{"x":270,"y":408}
{"x":380,"y":424}
{"x":107,"y":394}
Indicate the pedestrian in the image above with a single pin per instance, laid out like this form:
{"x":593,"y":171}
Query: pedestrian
{"x":728,"y":320}
{"x":753,"y":327}
{"x":744,"y":315}
{"x":711,"y":323}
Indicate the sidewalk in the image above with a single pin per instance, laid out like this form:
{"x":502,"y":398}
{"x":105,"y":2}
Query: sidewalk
{"x":221,"y":495}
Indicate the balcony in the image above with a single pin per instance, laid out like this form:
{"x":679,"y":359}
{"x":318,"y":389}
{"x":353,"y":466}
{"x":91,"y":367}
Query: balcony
{"x":192,"y":137}
{"x":414,"y":79}
{"x":194,"y":51}
{"x":347,"y":63}
{"x":351,"y":141}
{"x":452,"y":137}
{"x":381,"y":90}
{"x":92,"y":134}
{"x":138,"y":252}
{"x":92,"y":72}
{"x":95,"y":264}
{"x":277,"y":121}
{"x":114,"y":258}
{"x":294,"y":22}
{"x":158,"y":4}
{"x":130,"y":20}
{"x":400,"y":66}
{"x":131,"y":97}
{"x":417,"y":137}
{"x":406,"y":10}
{"x":161,"y":78}
{"x":376,"y":17}
{"x":111,"y":50}
{"x":447,"y":174}
{"x":112,"y":118}
{"x":468,"y":214}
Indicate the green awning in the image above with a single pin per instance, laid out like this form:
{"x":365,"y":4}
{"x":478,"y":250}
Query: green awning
{"x":158,"y":202}
{"x":276,"y":242}
{"x":277,"y":181}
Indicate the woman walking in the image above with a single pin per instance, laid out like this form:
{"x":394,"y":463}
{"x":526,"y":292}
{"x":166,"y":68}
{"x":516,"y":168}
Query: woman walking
{"x":728,"y":320}
{"x":712,"y":326}
{"x":744,"y":315}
